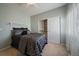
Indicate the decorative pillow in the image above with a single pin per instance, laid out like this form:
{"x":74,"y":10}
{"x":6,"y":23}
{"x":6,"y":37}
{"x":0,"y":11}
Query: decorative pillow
{"x":20,"y":31}
{"x":28,"y":32}
{"x":24,"y":33}
{"x":17,"y":32}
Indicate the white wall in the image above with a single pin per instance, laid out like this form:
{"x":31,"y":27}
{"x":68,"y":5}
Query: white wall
{"x":36,"y":20}
{"x":34,"y":24}
{"x":11,"y":13}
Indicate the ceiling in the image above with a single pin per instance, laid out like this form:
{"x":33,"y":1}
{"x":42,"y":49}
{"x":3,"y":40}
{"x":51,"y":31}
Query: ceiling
{"x":38,"y":8}
{"x":34,"y":8}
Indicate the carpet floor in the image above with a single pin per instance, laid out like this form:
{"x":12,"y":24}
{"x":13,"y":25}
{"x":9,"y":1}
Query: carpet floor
{"x":49,"y":50}
{"x":54,"y":50}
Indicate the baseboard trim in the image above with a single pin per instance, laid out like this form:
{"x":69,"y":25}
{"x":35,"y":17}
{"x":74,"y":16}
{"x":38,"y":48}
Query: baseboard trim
{"x":1,"y":49}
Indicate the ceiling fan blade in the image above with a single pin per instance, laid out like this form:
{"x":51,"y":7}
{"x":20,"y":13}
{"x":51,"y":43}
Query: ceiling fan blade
{"x":26,"y":5}
{"x":36,"y":5}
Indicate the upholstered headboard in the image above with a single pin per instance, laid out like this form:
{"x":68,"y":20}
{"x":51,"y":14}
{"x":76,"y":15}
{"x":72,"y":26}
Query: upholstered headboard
{"x":19,"y":31}
{"x":20,"y":28}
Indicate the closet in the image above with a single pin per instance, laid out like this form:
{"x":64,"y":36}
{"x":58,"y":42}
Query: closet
{"x":54,"y":30}
{"x":72,"y":29}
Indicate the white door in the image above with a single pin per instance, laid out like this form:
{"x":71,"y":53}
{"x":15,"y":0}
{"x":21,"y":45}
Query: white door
{"x":54,"y":30}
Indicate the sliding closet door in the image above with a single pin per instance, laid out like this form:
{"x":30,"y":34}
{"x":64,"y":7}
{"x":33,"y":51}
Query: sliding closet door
{"x":72,"y":29}
{"x":54,"y":30}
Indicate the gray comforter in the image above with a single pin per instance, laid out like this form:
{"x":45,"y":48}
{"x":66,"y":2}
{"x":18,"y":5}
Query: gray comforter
{"x":32,"y":44}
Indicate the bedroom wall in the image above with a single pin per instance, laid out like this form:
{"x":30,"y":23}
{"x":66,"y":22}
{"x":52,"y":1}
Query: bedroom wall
{"x":34,"y":24}
{"x":11,"y":15}
{"x":36,"y":20}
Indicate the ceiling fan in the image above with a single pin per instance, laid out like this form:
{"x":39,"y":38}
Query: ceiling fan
{"x":27,"y":5}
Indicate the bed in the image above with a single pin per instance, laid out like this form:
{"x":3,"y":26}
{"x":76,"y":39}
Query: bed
{"x":29,"y":44}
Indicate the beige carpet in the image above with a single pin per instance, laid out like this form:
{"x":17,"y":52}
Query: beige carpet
{"x":9,"y":52}
{"x":54,"y":50}
{"x":49,"y":50}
